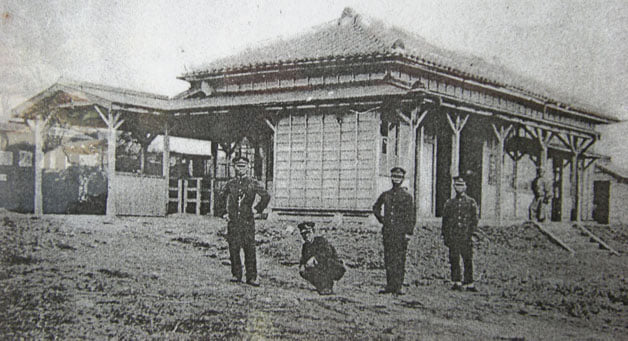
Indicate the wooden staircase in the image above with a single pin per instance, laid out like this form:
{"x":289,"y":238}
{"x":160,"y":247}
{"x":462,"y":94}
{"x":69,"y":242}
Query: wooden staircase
{"x":573,"y":237}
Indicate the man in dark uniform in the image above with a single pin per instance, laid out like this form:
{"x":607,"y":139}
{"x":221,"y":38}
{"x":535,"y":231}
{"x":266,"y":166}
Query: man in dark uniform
{"x":238,"y":196}
{"x":542,"y":196}
{"x":319,"y":262}
{"x":398,"y":221}
{"x":460,"y":219}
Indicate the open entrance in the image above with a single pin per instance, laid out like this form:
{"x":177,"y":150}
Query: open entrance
{"x":557,"y":188}
{"x":471,"y":157}
{"x":470,"y":167}
{"x":601,"y":197}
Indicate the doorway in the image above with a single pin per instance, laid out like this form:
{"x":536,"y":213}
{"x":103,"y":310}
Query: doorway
{"x":601,"y":200}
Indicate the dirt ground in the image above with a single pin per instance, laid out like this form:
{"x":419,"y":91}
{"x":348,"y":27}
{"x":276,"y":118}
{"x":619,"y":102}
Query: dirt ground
{"x":86,"y":277}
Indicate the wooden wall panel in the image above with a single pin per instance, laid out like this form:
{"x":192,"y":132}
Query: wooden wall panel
{"x":325,"y":163}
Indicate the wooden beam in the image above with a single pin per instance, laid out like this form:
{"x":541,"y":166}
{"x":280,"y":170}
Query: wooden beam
{"x":270,"y":125}
{"x":596,"y":238}
{"x":552,"y":237}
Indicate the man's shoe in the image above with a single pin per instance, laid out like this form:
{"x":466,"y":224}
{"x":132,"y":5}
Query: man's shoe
{"x":398,"y":292}
{"x":235,"y":279}
{"x":456,"y":286}
{"x":326,"y":291}
{"x":252,"y":282}
{"x":470,"y":287}
{"x":385,"y":291}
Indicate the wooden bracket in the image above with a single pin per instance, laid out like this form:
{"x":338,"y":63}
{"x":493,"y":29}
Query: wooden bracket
{"x":459,"y":124}
{"x":502,"y":133}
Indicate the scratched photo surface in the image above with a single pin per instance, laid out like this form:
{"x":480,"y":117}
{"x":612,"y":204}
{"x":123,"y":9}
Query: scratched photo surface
{"x":325,"y":170}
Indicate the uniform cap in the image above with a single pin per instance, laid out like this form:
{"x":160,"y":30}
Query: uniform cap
{"x":240,"y":160}
{"x":458,"y":180}
{"x":398,"y":170}
{"x":306,"y":226}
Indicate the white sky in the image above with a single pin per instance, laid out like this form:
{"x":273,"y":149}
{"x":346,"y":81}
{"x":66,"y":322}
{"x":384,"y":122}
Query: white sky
{"x":578,"y":47}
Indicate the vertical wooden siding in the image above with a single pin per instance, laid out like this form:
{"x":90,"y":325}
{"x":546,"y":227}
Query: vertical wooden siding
{"x":325,"y":161}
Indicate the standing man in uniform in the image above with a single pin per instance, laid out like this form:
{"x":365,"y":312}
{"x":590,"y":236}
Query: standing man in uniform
{"x":460,"y":219}
{"x":542,"y":197}
{"x":319,"y":262}
{"x":238,"y":196}
{"x":394,"y":209}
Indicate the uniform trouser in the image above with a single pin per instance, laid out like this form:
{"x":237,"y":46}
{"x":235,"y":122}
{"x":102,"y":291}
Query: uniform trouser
{"x":395,"y":247}
{"x":242,"y":240}
{"x":537,"y":210}
{"x":319,"y":277}
{"x":464,"y":249}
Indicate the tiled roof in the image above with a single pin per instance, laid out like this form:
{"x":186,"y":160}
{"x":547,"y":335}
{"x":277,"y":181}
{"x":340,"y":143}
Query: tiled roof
{"x":94,"y":93}
{"x":355,"y":35}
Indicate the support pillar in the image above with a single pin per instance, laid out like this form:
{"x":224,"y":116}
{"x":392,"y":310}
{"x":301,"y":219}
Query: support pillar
{"x":456,"y":127}
{"x":418,"y":136}
{"x":165,"y":167}
{"x":113,"y":123}
{"x":212,"y":184}
{"x":501,"y":136}
{"x":38,"y":126}
{"x":578,"y":145}
{"x":412,"y":161}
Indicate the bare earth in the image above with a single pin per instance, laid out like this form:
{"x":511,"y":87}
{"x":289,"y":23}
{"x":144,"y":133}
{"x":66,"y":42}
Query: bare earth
{"x":72,"y":277}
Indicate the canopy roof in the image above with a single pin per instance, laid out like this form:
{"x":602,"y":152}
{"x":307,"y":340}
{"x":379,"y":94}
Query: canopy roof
{"x":355,"y":35}
{"x":614,"y":170}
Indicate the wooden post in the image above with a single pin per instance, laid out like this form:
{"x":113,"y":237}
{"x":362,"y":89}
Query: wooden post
{"x":290,"y":147}
{"x":185,"y":196}
{"x":339,"y":119}
{"x":165,"y":166}
{"x":515,"y":156}
{"x":198,"y":196}
{"x":179,"y":196}
{"x":455,"y":145}
{"x":501,"y":136}
{"x":356,"y":164}
{"x":38,"y":126}
{"x":212,"y":184}
{"x":113,"y":123}
{"x":417,"y":156}
{"x":578,"y":145}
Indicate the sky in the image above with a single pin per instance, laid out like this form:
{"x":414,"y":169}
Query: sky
{"x":576,"y":46}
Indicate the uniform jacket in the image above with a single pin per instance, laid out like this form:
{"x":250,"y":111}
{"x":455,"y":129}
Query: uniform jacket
{"x":238,"y":196}
{"x":325,"y":255}
{"x":541,"y":188}
{"x":398,"y":211}
{"x":460,"y":218}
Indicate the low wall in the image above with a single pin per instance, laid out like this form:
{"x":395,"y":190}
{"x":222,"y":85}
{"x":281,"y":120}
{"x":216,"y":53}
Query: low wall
{"x":140,"y":195}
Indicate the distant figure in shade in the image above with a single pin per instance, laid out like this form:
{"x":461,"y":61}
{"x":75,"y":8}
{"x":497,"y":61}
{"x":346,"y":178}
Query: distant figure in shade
{"x":238,"y":196}
{"x":460,"y":219}
{"x":542,"y":197}
{"x":319,"y":262}
{"x":394,"y":209}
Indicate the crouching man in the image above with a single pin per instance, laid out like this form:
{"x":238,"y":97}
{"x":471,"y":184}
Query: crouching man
{"x":319,"y":262}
